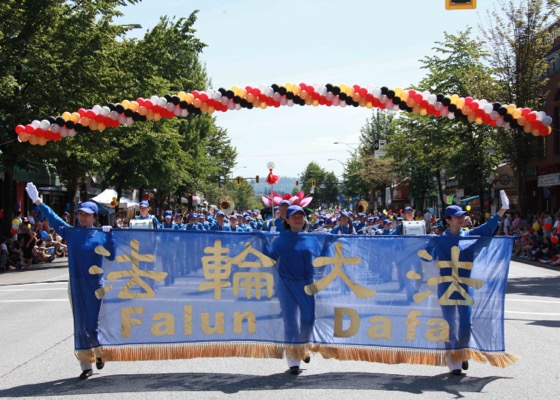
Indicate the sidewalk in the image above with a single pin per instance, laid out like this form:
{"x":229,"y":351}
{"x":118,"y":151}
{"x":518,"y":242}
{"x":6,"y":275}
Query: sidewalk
{"x":58,"y":262}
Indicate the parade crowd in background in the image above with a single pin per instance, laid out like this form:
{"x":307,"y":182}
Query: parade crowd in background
{"x":34,"y":241}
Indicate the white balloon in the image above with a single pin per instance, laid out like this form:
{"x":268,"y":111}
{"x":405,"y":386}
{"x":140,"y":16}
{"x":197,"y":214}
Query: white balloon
{"x":45,"y":125}
{"x":225,"y":100}
{"x":96,"y":109}
{"x":105,"y":111}
{"x":494,"y":115}
{"x":122,"y":119}
{"x":547,"y":121}
{"x":114,"y":115}
{"x":176,"y":111}
{"x":170,"y":107}
{"x":162,"y":102}
{"x":488,"y":108}
{"x":290,"y":103}
{"x":55,"y":128}
{"x":335,"y":101}
{"x":217,"y":96}
{"x":36,"y":124}
{"x":63,"y":131}
{"x":438,"y":106}
{"x":184,"y":112}
{"x":451,"y":115}
{"x":500,"y":122}
{"x":269,"y":91}
{"x":231,"y":106}
{"x":432,"y":99}
{"x":383,"y":98}
{"x":283,"y":101}
{"x":444,"y":112}
{"x":276,"y":96}
{"x":129,"y":121}
{"x":507,"y":125}
{"x":71,"y":132}
{"x":540,"y":115}
{"x":238,"y":106}
{"x":154,"y":99}
{"x":342,"y":104}
{"x":377,"y":92}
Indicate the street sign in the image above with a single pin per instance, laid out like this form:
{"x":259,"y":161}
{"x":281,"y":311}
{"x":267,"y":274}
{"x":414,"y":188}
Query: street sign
{"x":378,"y":154}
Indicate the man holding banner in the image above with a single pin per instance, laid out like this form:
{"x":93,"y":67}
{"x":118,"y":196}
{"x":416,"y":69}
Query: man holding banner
{"x":457,"y":304}
{"x":93,"y":245}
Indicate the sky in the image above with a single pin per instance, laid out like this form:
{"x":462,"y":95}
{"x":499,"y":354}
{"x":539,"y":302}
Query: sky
{"x":261,"y":42}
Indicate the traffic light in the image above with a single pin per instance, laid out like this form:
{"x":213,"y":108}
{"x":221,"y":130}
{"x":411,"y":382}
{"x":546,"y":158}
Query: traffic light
{"x":238,"y":180}
{"x":257,"y":179}
{"x":460,"y":4}
{"x":313,"y":182}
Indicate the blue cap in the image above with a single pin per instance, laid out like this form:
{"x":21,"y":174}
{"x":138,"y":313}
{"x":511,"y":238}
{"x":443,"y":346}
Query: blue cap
{"x":220,"y":213}
{"x":191,"y":216}
{"x":144,"y":203}
{"x":376,"y":218}
{"x":168,"y":214}
{"x":232,"y":216}
{"x":256,"y":212}
{"x":285,"y":202}
{"x":246,"y":218}
{"x":275,"y":208}
{"x":294,"y":209}
{"x":386,"y":221}
{"x":399,"y":218}
{"x":408,"y":209}
{"x":88,"y":207}
{"x":321,"y":222}
{"x":345,"y":213}
{"x":371,"y":219}
{"x":454,"y":211}
{"x":178,"y":215}
{"x":361,"y":215}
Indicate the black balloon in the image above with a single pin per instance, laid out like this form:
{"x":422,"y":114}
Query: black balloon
{"x":502,"y":111}
{"x":446,"y":101}
{"x":119,"y":108}
{"x":508,"y":117}
{"x":384,"y":90}
{"x":390,"y":94}
{"x":60,"y":121}
{"x":175,"y":100}
{"x":440,"y":97}
{"x":230,"y":94}
{"x":342,"y":96}
{"x":282,"y":91}
{"x":128,"y":112}
{"x":51,"y":119}
{"x":336,"y":90}
{"x":396,"y":100}
{"x":111,"y":106}
{"x":70,"y":124}
{"x":452,"y":108}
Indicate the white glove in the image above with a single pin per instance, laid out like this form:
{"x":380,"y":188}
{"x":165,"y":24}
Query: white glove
{"x":32,"y":192}
{"x":504,"y":199}
{"x":106,"y":228}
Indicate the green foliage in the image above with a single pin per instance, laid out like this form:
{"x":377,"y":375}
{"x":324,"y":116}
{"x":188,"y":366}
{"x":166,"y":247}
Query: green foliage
{"x":517,"y":39}
{"x":326,"y":185}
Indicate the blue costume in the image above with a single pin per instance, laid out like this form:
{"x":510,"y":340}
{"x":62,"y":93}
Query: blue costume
{"x":86,"y":306}
{"x":293,"y":253}
{"x":459,"y":332}
{"x":153,"y":218}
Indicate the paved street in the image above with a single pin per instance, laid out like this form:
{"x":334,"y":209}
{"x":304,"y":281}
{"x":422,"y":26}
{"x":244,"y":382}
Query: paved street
{"x":38,"y":361}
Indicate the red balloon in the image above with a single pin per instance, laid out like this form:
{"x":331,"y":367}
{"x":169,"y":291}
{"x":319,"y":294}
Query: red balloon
{"x":554,"y":239}
{"x":547,"y":226}
{"x":29,"y":129}
{"x":20,"y":129}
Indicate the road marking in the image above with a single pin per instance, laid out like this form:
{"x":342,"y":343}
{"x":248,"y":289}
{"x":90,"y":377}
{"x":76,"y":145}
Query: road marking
{"x":534,"y":301}
{"x":32,"y":290}
{"x":32,"y":301}
{"x":532,"y":313}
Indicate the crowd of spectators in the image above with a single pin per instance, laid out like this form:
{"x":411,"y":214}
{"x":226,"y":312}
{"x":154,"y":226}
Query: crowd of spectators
{"x":536,"y":236}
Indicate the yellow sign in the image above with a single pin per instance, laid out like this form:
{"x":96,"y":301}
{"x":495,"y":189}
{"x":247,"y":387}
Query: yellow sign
{"x":460,"y":4}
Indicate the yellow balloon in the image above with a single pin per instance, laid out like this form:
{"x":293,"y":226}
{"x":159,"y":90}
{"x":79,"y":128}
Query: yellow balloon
{"x":516,"y":113}
{"x":125,"y":103}
{"x":66,"y":115}
{"x":134,"y":105}
{"x":75,"y":117}
{"x":189,"y":98}
{"x":468,"y":208}
{"x":460,"y":103}
{"x":536,"y":226}
{"x":487,"y":215}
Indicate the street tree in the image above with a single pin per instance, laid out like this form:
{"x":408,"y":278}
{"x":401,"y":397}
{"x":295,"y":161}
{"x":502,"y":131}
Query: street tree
{"x":518,"y":39}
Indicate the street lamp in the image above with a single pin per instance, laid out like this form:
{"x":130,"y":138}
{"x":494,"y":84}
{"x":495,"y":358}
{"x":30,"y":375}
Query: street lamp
{"x":131,"y":26}
{"x":235,"y":170}
{"x":349,"y":145}
{"x":334,"y":159}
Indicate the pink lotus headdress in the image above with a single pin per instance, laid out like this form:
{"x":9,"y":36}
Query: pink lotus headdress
{"x":297,"y":200}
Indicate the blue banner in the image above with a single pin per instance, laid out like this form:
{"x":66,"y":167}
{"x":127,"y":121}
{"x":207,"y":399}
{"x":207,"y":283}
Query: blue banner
{"x":164,"y":294}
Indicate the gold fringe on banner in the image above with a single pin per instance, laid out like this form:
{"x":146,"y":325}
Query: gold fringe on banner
{"x":385,"y":355}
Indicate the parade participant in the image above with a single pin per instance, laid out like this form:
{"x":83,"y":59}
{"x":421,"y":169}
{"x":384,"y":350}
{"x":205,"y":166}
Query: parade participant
{"x":220,"y":224}
{"x":28,"y":242}
{"x":387,"y":228}
{"x":168,"y":222}
{"x":144,"y":207}
{"x":192,"y":225}
{"x":360,"y":223}
{"x":258,"y":218}
{"x":345,"y":226}
{"x":233,"y":224}
{"x":293,"y":251}
{"x":202,"y":223}
{"x":246,"y":223}
{"x":277,"y":225}
{"x":179,"y":222}
{"x":87,"y":213}
{"x":460,"y":333}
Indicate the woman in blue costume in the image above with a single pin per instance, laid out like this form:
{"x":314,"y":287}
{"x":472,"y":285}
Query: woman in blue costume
{"x":293,"y":251}
{"x":460,"y":333}
{"x":85,"y":323}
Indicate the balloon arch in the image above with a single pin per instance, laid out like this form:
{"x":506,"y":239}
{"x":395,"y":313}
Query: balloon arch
{"x":182,"y":104}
